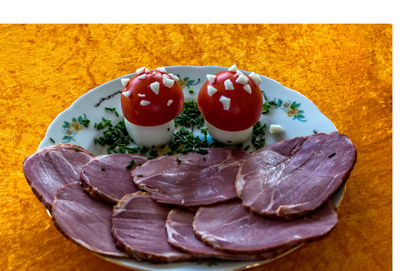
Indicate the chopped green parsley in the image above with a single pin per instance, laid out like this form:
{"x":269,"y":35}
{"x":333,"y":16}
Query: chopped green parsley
{"x":131,"y":163}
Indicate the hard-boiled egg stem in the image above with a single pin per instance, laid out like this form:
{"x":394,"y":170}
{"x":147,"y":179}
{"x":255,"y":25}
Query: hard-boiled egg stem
{"x":149,"y":136}
{"x":229,"y":137}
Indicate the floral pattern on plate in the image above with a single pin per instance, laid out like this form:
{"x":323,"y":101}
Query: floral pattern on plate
{"x":71,"y":128}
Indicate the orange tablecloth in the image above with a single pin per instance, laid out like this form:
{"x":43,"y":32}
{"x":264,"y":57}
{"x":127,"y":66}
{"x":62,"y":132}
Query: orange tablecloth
{"x":346,"y":70}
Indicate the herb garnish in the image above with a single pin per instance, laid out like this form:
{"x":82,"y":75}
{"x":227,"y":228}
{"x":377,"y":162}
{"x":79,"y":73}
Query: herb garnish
{"x":191,"y":91}
{"x":190,"y":116}
{"x":332,"y":154}
{"x":267,"y":104}
{"x":131,"y":163}
{"x":117,"y":140}
{"x":112,"y":109}
{"x":77,"y":149}
{"x":153,"y":154}
{"x":103,"y":169}
{"x":139,"y":175}
{"x":52,"y":140}
{"x":258,"y":137}
{"x":178,"y":159}
{"x":101,"y":125}
{"x":115,"y":137}
{"x":184,"y":142}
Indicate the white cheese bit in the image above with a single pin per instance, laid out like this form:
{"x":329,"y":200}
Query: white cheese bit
{"x":154,"y":73}
{"x":173,"y":76}
{"x":238,"y":73}
{"x":141,"y":77}
{"x":273,"y":129}
{"x":233,"y":68}
{"x":146,"y":70}
{"x":167,"y":82}
{"x":141,"y":95}
{"x":242,"y":79}
{"x":162,"y":69}
{"x":247,"y":88}
{"x":124,"y":81}
{"x":169,"y":102}
{"x":144,"y":102}
{"x":126,"y":93}
{"x":211,"y":90}
{"x":228,"y":84}
{"x":256,"y":78}
{"x":155,"y":87}
{"x":226,"y":102}
{"x":140,"y":70}
{"x":182,"y":201}
{"x":211,"y":78}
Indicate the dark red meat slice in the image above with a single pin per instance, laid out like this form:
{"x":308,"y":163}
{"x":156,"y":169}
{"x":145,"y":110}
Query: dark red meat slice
{"x":230,"y":227}
{"x":51,"y":168}
{"x":107,"y":177}
{"x":139,"y":227}
{"x":293,"y":177}
{"x":181,"y":235}
{"x":192,"y":179}
{"x":85,"y":221}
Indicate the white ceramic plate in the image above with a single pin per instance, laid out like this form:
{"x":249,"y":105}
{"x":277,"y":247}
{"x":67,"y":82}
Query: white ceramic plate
{"x":295,"y":113}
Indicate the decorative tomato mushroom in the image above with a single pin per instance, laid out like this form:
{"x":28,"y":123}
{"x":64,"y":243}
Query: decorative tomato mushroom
{"x":150,"y":101}
{"x":231,"y":103}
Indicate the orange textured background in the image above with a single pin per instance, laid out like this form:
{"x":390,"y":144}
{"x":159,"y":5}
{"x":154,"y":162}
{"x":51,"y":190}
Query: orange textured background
{"x":346,"y":70}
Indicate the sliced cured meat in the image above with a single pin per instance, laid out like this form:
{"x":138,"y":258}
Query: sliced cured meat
{"x":85,"y":221}
{"x":51,"y":168}
{"x":139,"y":228}
{"x":293,"y":177}
{"x":108,"y":177}
{"x":181,"y":235}
{"x":192,"y":179}
{"x":230,"y":227}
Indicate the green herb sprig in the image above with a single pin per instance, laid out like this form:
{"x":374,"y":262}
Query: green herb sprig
{"x":112,"y":109}
{"x":190,"y":116}
{"x":258,"y":137}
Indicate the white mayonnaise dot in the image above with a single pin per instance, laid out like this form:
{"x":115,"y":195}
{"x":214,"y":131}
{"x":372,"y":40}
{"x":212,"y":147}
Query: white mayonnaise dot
{"x":247,"y":88}
{"x":140,"y":70}
{"x":126,"y":93}
{"x":211,"y":78}
{"x":154,"y":73}
{"x":162,"y":69}
{"x":274,"y":128}
{"x":233,"y":68}
{"x":256,"y":78}
{"x":211,"y":90}
{"x":226,"y":102}
{"x":169,"y":102}
{"x":144,"y":102}
{"x":141,"y":95}
{"x":155,"y":87}
{"x":173,"y":76}
{"x":124,"y":81}
{"x":228,"y":84}
{"x":167,"y":82}
{"x":242,"y":79}
{"x":141,"y":77}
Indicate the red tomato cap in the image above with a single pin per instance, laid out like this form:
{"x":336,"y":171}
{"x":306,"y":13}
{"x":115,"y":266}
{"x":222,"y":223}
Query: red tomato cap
{"x":152,"y":98}
{"x":231,"y":109}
